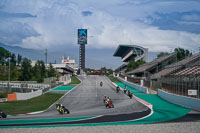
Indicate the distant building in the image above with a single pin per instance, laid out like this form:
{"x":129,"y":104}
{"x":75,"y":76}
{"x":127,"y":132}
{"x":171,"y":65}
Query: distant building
{"x":71,"y":63}
{"x":33,"y":63}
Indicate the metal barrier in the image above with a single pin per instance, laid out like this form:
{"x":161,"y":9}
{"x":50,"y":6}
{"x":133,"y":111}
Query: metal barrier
{"x":132,"y":85}
{"x":24,"y":87}
{"x":182,"y":85}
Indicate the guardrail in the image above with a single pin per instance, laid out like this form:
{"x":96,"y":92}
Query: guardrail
{"x":183,"y":101}
{"x":137,"y":87}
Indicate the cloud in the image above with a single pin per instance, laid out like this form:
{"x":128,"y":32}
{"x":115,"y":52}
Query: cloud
{"x":185,"y":21}
{"x":109,"y":23}
{"x":191,"y":17}
{"x":86,"y":13}
{"x":12,"y":32}
{"x":4,"y":15}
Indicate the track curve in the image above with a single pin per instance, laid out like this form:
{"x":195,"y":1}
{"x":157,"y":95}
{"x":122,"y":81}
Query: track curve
{"x":87,"y":100}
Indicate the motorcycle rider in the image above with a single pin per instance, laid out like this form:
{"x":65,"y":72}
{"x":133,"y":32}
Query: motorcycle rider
{"x":108,"y":102}
{"x":61,"y":108}
{"x":105,"y":98}
{"x":125,"y":89}
{"x":130,"y":94}
{"x":2,"y":114}
{"x":117,"y":89}
{"x":101,"y":83}
{"x":58,"y":106}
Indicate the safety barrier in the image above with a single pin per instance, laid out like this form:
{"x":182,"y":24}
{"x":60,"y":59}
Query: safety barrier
{"x":24,"y":96}
{"x":183,"y":101}
{"x":137,"y":87}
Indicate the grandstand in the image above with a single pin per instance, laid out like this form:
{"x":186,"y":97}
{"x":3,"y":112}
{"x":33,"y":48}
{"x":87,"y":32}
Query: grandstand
{"x":153,"y":66}
{"x":177,"y":66}
{"x":130,"y":52}
{"x":193,"y":70}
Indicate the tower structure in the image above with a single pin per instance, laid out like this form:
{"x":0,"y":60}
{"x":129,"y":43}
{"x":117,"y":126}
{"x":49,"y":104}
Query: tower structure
{"x":82,"y":40}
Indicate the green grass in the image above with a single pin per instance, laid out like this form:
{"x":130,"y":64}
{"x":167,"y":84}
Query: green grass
{"x":74,"y":81}
{"x":35,"y":104}
{"x":114,"y":79}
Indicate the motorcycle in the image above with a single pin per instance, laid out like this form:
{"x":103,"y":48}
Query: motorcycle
{"x":130,"y":94}
{"x":2,"y":114}
{"x":62,"y":110}
{"x":117,"y":89}
{"x":125,"y":91}
{"x":101,"y":84}
{"x":109,"y":104}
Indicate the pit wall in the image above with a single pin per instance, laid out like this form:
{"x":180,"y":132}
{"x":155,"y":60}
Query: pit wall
{"x":137,"y":87}
{"x":183,"y":101}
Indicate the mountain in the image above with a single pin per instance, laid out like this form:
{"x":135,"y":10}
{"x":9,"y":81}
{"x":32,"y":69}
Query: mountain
{"x":95,"y":58}
{"x":29,"y":53}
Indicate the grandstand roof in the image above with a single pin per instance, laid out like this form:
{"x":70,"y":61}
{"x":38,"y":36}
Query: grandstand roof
{"x":174,"y":67}
{"x":150,"y":65}
{"x":127,"y":52}
{"x":123,"y":48}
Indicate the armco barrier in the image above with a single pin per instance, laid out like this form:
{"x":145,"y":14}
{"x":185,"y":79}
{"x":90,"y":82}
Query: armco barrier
{"x":137,"y":87}
{"x":25,"y":96}
{"x":183,"y":101}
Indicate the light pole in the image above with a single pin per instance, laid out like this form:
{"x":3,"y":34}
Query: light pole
{"x":45,"y":52}
{"x":9,"y":74}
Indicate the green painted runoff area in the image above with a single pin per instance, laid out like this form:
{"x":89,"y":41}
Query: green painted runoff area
{"x":63,"y":88}
{"x":162,"y":111}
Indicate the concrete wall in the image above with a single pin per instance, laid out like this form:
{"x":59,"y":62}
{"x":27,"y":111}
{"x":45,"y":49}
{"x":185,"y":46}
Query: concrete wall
{"x":66,"y":79}
{"x":183,"y":101}
{"x":137,"y":87}
{"x":25,"y":96}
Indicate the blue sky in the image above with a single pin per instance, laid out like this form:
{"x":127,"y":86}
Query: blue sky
{"x":159,"y":25}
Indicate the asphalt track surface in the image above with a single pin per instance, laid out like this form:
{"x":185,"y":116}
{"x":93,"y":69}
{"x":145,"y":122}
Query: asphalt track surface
{"x":87,"y":100}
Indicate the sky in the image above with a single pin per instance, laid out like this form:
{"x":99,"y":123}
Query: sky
{"x":159,"y":25}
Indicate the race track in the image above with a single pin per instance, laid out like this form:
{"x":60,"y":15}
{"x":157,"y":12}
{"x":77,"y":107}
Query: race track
{"x":86,"y":100}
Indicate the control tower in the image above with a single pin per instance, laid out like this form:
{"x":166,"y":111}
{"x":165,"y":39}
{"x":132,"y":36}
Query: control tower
{"x":82,"y":40}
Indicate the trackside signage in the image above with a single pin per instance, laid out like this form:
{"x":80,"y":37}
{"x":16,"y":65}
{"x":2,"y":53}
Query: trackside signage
{"x":192,"y":92}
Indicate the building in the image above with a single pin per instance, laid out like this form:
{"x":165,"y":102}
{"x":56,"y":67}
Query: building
{"x":129,"y":53}
{"x":71,"y":63}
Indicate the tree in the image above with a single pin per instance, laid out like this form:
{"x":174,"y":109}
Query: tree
{"x":39,"y":71}
{"x":51,"y":71}
{"x":13,"y":59}
{"x":162,"y":54}
{"x":133,"y":65}
{"x":26,"y":70}
{"x":19,"y":59}
{"x":182,"y":53}
{"x":3,"y":55}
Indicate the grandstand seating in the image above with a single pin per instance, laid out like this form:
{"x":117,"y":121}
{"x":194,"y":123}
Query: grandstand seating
{"x":153,"y":64}
{"x":193,"y":70}
{"x":177,"y":66}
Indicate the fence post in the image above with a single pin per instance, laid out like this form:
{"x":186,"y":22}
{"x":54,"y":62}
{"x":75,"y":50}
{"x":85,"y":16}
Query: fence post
{"x":125,"y":78}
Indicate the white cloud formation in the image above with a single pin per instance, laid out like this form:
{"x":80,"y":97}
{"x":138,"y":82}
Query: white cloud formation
{"x":110,"y":24}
